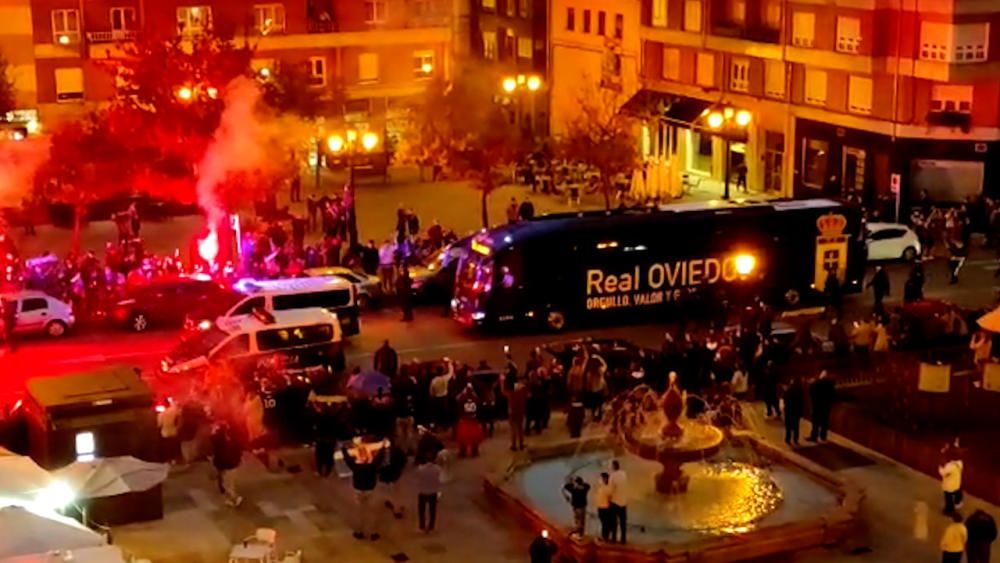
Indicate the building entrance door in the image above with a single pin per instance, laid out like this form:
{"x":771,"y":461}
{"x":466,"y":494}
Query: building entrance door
{"x":853,"y":171}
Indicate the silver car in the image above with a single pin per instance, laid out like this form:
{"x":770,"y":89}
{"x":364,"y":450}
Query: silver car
{"x":38,"y":312}
{"x":367,"y":287}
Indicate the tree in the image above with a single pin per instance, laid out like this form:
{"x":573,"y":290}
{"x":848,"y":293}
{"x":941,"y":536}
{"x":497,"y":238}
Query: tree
{"x":424,"y":142}
{"x":289,"y":90}
{"x":602,"y":137}
{"x":8,"y":97}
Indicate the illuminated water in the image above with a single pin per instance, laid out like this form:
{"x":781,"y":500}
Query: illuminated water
{"x":724,"y":496}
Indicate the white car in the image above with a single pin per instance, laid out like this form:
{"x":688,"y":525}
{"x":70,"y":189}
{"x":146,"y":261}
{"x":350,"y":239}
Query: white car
{"x":891,"y":241}
{"x":38,"y":312}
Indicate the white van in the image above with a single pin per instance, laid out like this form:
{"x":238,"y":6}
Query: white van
{"x":332,"y":293}
{"x":301,"y":337}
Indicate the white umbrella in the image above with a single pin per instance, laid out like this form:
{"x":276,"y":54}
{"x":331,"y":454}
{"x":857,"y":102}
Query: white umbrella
{"x":104,"y":554}
{"x":110,"y":476}
{"x":990,"y":321}
{"x":21,"y":479}
{"x":26,"y":532}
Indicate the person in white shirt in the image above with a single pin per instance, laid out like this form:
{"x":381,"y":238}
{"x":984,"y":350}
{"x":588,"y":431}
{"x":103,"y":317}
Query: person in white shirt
{"x":951,"y":484}
{"x":439,"y":394}
{"x":619,"y":498}
{"x":387,"y":266}
{"x":953,"y":540}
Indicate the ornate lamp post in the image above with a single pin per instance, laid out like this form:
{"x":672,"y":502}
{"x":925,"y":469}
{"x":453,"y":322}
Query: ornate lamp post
{"x":731,"y":124}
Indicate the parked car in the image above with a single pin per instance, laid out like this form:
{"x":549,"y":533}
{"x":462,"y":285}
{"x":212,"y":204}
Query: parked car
{"x":435,"y":280}
{"x":891,"y":241}
{"x":166,"y":302}
{"x":38,"y":312}
{"x":367,"y":287}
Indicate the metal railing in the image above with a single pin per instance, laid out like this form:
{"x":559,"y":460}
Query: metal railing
{"x":111,"y":36}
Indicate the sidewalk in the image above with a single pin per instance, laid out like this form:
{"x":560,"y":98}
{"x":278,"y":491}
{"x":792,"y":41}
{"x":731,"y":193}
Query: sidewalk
{"x":315,"y":514}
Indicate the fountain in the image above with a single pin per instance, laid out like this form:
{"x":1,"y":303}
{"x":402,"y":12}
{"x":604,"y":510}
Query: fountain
{"x":695,"y":490}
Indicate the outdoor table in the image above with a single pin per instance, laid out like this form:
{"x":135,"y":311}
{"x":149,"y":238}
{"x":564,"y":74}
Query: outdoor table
{"x":250,"y":552}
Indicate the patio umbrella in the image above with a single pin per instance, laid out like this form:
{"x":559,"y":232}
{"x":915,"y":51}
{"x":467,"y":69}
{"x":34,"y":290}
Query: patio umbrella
{"x":990,"y":321}
{"x":20,"y":477}
{"x":26,"y":533}
{"x":110,"y":476}
{"x":368,"y":383}
{"x":104,"y":554}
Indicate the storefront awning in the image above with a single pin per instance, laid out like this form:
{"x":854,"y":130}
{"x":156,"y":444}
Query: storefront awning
{"x":677,"y":110}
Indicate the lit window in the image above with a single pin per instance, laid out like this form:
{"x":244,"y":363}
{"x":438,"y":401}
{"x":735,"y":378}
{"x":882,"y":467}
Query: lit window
{"x":859,"y":94}
{"x":375,"y":11}
{"x":692,"y":15}
{"x":69,"y":84}
{"x":671,"y":63}
{"x":192,"y":20}
{"x":803,"y":29}
{"x":738,"y":11}
{"x":815,"y":87}
{"x":65,"y":26}
{"x":122,"y":20}
{"x":705,"y":74}
{"x":739,"y":75}
{"x":368,"y":67}
{"x":524,"y":49}
{"x":660,"y":13}
{"x":951,"y":97}
{"x":317,"y":71}
{"x":423,"y":63}
{"x":774,"y":79}
{"x":490,"y":45}
{"x":848,"y":34}
{"x":490,"y":4}
{"x":86,"y":447}
{"x":268,"y":18}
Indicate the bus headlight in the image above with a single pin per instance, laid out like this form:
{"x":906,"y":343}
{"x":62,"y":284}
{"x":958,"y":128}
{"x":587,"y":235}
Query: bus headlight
{"x":745,"y":264}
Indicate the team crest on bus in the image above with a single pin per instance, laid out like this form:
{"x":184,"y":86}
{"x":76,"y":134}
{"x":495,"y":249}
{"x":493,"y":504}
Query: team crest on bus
{"x":831,"y":225}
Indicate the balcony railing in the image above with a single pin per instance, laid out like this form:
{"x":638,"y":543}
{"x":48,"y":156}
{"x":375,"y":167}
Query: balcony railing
{"x":111,"y":36}
{"x":320,"y":26}
{"x":954,"y":119}
{"x":739,"y":31}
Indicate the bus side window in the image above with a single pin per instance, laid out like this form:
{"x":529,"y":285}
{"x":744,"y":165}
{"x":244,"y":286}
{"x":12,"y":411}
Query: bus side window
{"x":248,"y":306}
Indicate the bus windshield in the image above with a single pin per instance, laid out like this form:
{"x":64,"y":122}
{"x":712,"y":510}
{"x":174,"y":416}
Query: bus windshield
{"x":475,"y":276}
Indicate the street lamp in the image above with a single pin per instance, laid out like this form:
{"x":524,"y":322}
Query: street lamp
{"x":731,"y":124}
{"x":524,"y":83}
{"x":185,"y":94}
{"x":351,"y":144}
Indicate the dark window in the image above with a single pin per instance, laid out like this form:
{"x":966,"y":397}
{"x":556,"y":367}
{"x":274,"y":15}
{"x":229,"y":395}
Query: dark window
{"x":237,"y":346}
{"x":619,"y":26}
{"x":570,"y":19}
{"x":601,"y":22}
{"x":282,"y":338}
{"x":327,"y":299}
{"x":586,"y":21}
{"x":34,"y":304}
{"x":249,"y":305}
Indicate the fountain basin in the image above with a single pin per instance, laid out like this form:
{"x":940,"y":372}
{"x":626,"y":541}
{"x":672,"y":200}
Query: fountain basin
{"x":732,"y":511}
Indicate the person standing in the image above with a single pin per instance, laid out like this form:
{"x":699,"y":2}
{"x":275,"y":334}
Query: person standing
{"x":226,"y":457}
{"x":575,"y":491}
{"x":604,"y":511}
{"x":387,"y":266}
{"x":542,"y":549}
{"x":526,"y":211}
{"x":404,"y":290}
{"x":326,"y":439}
{"x":295,"y":192}
{"x":517,"y":398}
{"x":834,"y":294}
{"x":880,"y":288}
{"x":386,"y":360}
{"x":793,"y":411}
{"x":953,"y":540}
{"x":389,"y":474}
{"x":767,"y":387}
{"x":951,"y":483}
{"x":619,"y":499}
{"x":364,"y":470}
{"x":428,"y":476}
{"x":913,"y":289}
{"x":982,"y":532}
{"x":512,"y":210}
{"x":822,"y":393}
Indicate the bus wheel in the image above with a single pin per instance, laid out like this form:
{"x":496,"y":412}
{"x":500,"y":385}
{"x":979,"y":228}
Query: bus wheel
{"x":556,"y":321}
{"x":792,"y":297}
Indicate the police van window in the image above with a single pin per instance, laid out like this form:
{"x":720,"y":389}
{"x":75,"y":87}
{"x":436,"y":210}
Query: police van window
{"x":249,"y":305}
{"x":280,"y":338}
{"x":236,"y":346}
{"x":326,"y":299}
{"x":33,"y":304}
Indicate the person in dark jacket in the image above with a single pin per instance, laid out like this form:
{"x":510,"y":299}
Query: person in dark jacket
{"x":404,"y":291}
{"x":386,"y":360}
{"x":913,"y":289}
{"x":822,"y":392}
{"x":226,"y":457}
{"x":982,"y":530}
{"x":364,"y":469}
{"x":576,"y":491}
{"x":794,"y":399}
{"x":542,"y":550}
{"x":880,"y":287}
{"x":526,"y":211}
{"x":324,"y":429}
{"x":389,"y":474}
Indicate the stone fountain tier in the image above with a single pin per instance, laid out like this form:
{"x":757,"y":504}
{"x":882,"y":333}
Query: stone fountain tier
{"x":697,"y":441}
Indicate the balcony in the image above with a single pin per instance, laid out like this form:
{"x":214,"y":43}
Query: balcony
{"x":756,"y":34}
{"x":950,"y":118}
{"x":111,"y":36}
{"x":320,"y":26}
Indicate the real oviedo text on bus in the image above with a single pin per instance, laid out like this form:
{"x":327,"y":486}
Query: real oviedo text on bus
{"x":572,"y":268}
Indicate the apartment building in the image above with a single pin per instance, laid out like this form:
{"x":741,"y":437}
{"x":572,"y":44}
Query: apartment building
{"x":381,"y":51}
{"x":594,"y":52}
{"x":510,"y":34}
{"x":846,"y":96}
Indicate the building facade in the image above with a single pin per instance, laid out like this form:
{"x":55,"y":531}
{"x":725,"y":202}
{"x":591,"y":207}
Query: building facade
{"x":594,"y":52}
{"x":846,"y":96}
{"x":379,"y":51}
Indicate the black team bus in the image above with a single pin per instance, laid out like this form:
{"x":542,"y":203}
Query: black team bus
{"x":633,"y":264}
